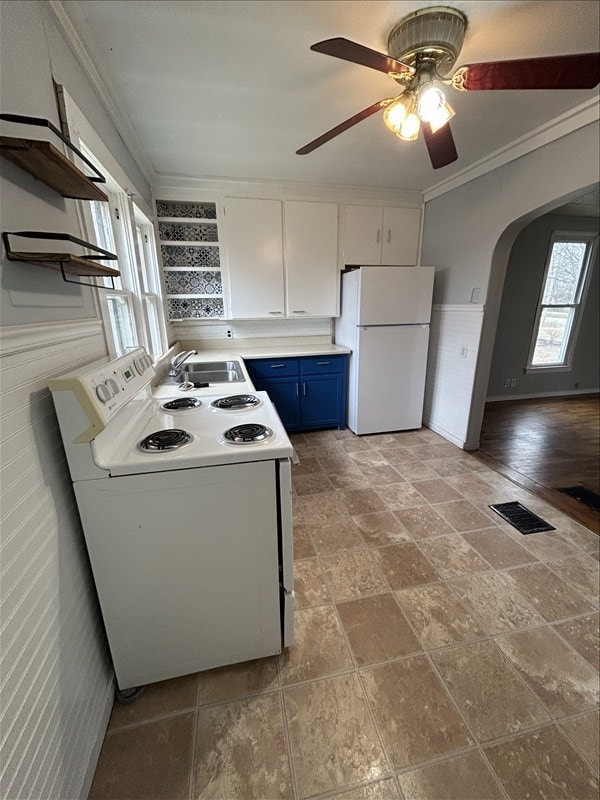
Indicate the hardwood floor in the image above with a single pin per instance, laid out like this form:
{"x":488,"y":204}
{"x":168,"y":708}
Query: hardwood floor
{"x":546,"y":443}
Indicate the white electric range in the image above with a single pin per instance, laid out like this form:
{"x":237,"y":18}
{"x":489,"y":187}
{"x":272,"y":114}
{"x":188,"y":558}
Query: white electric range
{"x":185,"y":504}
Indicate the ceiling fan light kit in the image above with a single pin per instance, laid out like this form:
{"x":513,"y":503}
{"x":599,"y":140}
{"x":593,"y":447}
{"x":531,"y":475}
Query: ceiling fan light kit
{"x":422,"y":50}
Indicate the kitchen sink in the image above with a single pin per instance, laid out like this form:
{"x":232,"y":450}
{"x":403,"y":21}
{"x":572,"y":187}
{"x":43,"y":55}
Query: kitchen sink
{"x":208,"y":372}
{"x":211,"y":366}
{"x":212,"y":376}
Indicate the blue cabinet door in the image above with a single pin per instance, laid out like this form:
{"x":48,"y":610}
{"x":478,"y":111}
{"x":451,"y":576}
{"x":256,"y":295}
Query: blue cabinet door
{"x":321,"y":400}
{"x":284,"y":394}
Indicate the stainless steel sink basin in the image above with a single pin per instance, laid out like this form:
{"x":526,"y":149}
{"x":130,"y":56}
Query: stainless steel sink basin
{"x":211,"y":366}
{"x":208,"y":372}
{"x":212,"y":376}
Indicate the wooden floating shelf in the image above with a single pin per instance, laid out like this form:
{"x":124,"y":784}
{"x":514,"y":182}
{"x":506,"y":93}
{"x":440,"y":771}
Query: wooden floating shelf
{"x":43,"y":161}
{"x":66,"y":262}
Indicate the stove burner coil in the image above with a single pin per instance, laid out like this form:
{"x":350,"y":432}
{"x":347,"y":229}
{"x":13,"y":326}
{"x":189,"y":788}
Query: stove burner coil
{"x":168,"y":439}
{"x":247,"y":434}
{"x":235,"y":401}
{"x":182,"y":403}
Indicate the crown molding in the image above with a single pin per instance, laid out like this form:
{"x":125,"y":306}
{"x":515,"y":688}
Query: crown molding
{"x":566,"y":123}
{"x":80,"y":40}
{"x":212,"y":185}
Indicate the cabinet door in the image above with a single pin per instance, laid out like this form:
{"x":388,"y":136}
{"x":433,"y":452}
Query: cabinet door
{"x":310,"y":243}
{"x":362,"y":235}
{"x":321,"y":401}
{"x":255,"y":257}
{"x":400,"y":240}
{"x":284,"y":394}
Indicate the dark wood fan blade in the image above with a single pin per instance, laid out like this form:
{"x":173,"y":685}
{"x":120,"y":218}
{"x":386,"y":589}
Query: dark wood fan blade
{"x":358,"y":54}
{"x":551,"y":72}
{"x":440,"y":145}
{"x":343,"y":126}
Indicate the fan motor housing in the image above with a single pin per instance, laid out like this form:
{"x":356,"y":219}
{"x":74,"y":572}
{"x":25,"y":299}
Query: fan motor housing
{"x":434,"y":35}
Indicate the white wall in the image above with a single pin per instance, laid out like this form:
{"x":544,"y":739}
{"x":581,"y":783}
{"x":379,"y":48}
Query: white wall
{"x":469,"y":231}
{"x":56,"y":677}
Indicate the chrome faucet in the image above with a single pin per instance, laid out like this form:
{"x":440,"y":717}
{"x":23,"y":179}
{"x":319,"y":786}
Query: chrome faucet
{"x":178,"y":360}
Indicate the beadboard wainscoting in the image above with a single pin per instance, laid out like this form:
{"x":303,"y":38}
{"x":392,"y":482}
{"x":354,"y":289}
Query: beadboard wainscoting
{"x":57,"y":684}
{"x":453,"y":347}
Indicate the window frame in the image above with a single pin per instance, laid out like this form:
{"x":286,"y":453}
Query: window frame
{"x":124,"y":216}
{"x":591,"y":241}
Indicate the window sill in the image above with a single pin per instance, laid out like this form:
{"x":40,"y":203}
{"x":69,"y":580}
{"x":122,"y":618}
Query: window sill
{"x":548,"y":368}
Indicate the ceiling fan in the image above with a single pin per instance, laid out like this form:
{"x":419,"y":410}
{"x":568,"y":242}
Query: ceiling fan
{"x":422,"y":49}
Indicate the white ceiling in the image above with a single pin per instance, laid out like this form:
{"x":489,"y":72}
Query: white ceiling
{"x":230,"y":89}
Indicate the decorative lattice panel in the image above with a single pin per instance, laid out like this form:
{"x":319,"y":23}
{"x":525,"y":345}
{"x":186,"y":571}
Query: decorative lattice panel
{"x":187,"y":232}
{"x":188,"y":282}
{"x":195,"y":308}
{"x":190,"y":256}
{"x":179,"y":208}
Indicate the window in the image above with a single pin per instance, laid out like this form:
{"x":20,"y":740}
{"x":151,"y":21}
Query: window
{"x":563,"y":292}
{"x":132,"y":310}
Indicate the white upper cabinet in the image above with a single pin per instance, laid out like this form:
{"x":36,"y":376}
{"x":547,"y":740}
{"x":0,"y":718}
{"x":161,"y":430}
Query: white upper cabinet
{"x":381,"y":235}
{"x":255,"y":258}
{"x":310,"y":248}
{"x":282,"y":258}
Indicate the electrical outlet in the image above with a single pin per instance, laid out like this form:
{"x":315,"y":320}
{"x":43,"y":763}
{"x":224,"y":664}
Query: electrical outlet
{"x":229,"y":334}
{"x":464,"y":350}
{"x":513,"y":383}
{"x":507,"y":383}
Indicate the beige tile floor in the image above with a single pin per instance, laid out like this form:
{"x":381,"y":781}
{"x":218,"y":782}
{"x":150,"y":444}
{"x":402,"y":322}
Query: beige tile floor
{"x":438,"y":654}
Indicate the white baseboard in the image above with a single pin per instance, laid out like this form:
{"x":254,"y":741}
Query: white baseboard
{"x":450,"y":437}
{"x":561,"y":393}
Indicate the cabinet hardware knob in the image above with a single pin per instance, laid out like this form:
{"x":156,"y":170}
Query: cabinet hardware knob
{"x":304,"y":389}
{"x":275,"y":312}
{"x":378,"y":235}
{"x":277,"y":366}
{"x":389,"y":235}
{"x":299,"y":312}
{"x":322,"y":363}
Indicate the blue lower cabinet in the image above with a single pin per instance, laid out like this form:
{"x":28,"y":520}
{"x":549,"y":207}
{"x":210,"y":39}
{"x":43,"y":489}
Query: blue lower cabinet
{"x":308,"y":392}
{"x":321,"y":399}
{"x":284,"y":394}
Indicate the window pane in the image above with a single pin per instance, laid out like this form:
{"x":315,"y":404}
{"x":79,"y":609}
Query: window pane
{"x":104,"y":236}
{"x":121,"y":318}
{"x":564,"y":271}
{"x":553,"y":336}
{"x":152,"y":315}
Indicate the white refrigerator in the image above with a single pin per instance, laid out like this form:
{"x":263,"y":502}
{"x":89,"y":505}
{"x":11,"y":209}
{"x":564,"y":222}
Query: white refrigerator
{"x":384,"y":320}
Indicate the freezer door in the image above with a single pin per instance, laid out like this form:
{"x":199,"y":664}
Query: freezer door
{"x":389,"y":380}
{"x":395,"y":295}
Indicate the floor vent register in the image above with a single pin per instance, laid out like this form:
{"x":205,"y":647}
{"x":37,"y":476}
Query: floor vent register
{"x":521,"y":518}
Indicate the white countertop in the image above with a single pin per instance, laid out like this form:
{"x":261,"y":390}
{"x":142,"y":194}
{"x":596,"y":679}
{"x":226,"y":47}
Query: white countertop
{"x":248,"y":353}
{"x":290,"y":350}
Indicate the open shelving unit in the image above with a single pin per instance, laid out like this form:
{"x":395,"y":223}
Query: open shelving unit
{"x":66,"y":263}
{"x":42,"y":160}
{"x":189,"y":247}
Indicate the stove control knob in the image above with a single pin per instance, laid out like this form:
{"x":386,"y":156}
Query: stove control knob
{"x":113,"y":386}
{"x":103,"y":393}
{"x":140,"y":365}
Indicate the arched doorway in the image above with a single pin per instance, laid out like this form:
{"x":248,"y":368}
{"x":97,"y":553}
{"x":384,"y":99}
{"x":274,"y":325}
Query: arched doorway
{"x":540,"y":426}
